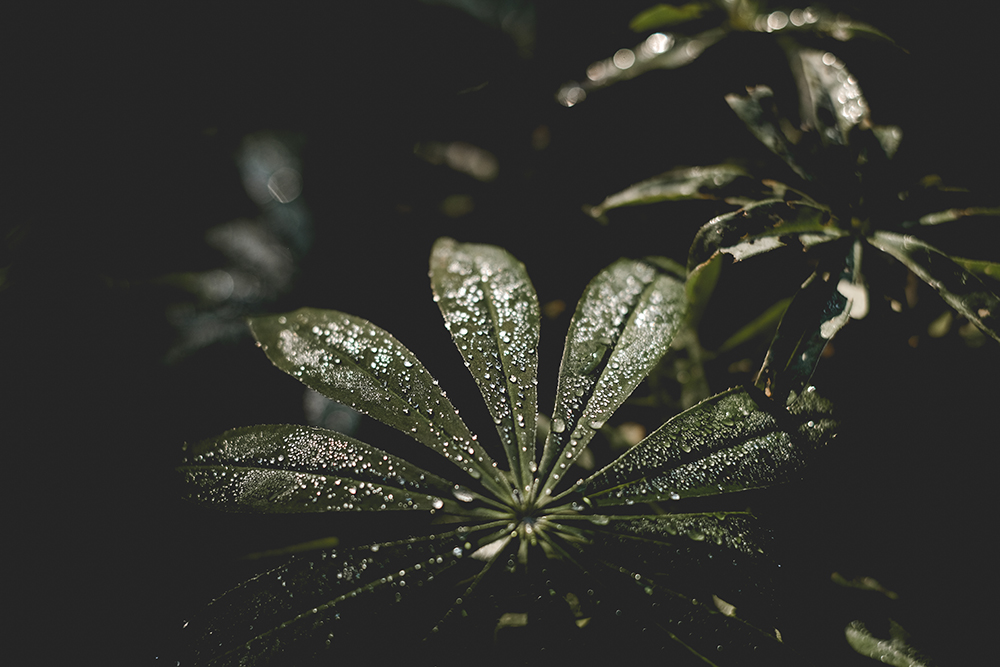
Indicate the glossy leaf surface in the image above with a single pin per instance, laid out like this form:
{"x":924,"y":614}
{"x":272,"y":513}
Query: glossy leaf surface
{"x":962,"y":290}
{"x":677,"y":184}
{"x":622,"y":326}
{"x":351,"y":360}
{"x":733,"y":441}
{"x":284,"y":468}
{"x":491,"y":310}
{"x":759,"y":228}
{"x":295,"y":612}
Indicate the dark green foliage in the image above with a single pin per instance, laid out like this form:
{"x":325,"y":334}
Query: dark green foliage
{"x":525,"y":550}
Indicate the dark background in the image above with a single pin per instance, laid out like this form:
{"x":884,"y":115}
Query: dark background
{"x":121,"y":157}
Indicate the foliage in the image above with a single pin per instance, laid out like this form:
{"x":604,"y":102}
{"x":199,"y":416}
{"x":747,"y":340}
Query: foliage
{"x":526,"y":550}
{"x":478,"y":569}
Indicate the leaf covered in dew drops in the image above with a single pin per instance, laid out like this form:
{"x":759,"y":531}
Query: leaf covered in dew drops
{"x":525,"y":543}
{"x":622,"y":326}
{"x":286,"y":468}
{"x":491,"y":310}
{"x":730,"y":442}
{"x":960,"y":289}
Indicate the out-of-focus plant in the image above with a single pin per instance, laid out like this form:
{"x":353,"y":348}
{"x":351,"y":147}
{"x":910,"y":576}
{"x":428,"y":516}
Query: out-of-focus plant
{"x":506,"y":562}
{"x":850,"y":201}
{"x":696,"y":26}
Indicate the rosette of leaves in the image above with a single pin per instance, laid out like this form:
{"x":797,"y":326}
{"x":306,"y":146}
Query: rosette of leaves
{"x":684,"y":32}
{"x":850,"y":201}
{"x":518,"y":562}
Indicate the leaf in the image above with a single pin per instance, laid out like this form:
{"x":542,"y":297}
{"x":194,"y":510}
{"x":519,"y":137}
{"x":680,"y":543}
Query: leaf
{"x":282,"y":468}
{"x":765,"y":322}
{"x":660,"y":16}
{"x":980,"y":267}
{"x":962,"y":290}
{"x":894,"y":651}
{"x":760,"y":227}
{"x":758,"y":111}
{"x":491,"y":310}
{"x":351,"y":360}
{"x":622,"y":326}
{"x":734,"y":441}
{"x":653,"y":570}
{"x":309,"y":607}
{"x":830,"y":99}
{"x":956,"y":214}
{"x":676,"y":184}
{"x":818,"y":310}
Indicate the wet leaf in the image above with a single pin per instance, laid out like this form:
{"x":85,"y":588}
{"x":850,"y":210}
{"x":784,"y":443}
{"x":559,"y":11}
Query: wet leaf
{"x":655,"y":570}
{"x":818,"y":311}
{"x":491,"y":310}
{"x":622,"y":326}
{"x":677,"y":184}
{"x":956,"y":214}
{"x":759,"y":228}
{"x":512,"y":544}
{"x":895,"y":651}
{"x":351,"y":360}
{"x":283,"y":468}
{"x":962,"y":290}
{"x":830,"y":98}
{"x":734,"y":441}
{"x":758,"y":111}
{"x":295,"y":612}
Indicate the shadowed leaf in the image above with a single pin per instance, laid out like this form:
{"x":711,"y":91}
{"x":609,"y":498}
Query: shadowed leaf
{"x":962,"y":290}
{"x":818,"y":311}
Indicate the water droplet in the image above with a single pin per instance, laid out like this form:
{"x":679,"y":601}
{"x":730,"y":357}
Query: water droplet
{"x":558,"y":425}
{"x":462,"y":494}
{"x":437,"y":503}
{"x":596,"y":424}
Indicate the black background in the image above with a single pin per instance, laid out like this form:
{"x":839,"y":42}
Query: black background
{"x":125,"y":126}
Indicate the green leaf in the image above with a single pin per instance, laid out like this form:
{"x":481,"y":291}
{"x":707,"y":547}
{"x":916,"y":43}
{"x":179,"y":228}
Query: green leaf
{"x":761,"y":227}
{"x":895,"y":651}
{"x":758,"y":111}
{"x":957,"y":213}
{"x":491,"y":310}
{"x":980,"y":267}
{"x":676,"y":184}
{"x":660,"y":16}
{"x":622,"y":326}
{"x":351,"y":360}
{"x":297,"y":611}
{"x":283,"y":468}
{"x":655,"y":569}
{"x":818,"y":311}
{"x":830,"y":99}
{"x":734,"y":441}
{"x":765,"y":322}
{"x":962,"y":290}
